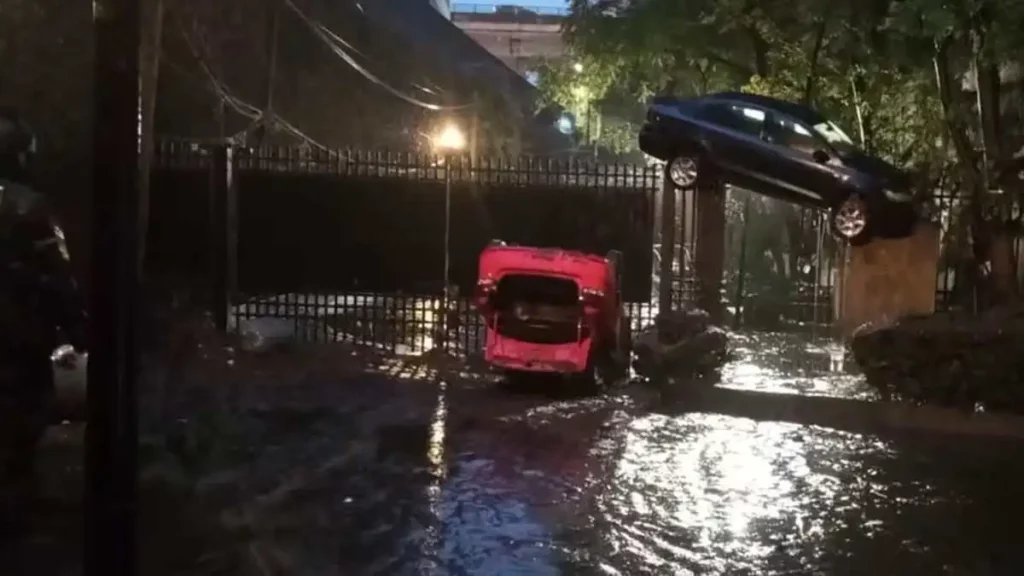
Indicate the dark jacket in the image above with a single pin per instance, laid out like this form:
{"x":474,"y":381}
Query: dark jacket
{"x":39,"y":297}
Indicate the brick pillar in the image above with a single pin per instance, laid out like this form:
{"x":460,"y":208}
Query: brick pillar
{"x":710,"y":255}
{"x":887,"y":279}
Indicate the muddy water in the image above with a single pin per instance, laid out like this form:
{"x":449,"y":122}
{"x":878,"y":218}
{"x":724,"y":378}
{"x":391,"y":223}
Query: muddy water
{"x":531,"y":484}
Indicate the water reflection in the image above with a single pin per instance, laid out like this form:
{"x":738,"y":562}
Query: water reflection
{"x":606,"y":487}
{"x":500,"y":483}
{"x":793,"y":364}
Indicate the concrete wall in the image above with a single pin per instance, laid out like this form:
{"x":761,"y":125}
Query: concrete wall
{"x":518,"y":39}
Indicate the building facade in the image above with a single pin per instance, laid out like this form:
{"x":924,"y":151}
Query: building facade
{"x":520,"y":37}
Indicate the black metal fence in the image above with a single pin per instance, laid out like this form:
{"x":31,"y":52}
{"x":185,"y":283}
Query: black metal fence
{"x":781,"y":264}
{"x":397,"y":323}
{"x":346,"y":245}
{"x":955,"y":283}
{"x":376,"y":222}
{"x":350,"y":244}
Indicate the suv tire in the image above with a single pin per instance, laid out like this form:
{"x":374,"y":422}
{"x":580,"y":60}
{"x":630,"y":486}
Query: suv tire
{"x":850,"y":220}
{"x":683,"y":170}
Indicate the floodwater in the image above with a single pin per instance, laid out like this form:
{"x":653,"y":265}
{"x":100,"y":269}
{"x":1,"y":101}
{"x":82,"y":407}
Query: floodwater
{"x":483,"y":480}
{"x":527,"y":483}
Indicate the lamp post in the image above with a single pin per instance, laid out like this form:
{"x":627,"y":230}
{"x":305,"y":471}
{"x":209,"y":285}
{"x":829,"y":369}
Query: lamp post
{"x":449,"y":140}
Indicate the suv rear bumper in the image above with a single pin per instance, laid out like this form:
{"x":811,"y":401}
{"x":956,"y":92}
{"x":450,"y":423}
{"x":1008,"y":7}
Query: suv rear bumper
{"x":653,"y":141}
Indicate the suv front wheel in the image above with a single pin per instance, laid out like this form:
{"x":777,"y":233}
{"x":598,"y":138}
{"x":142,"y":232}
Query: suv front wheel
{"x":851,"y":221}
{"x":682,"y":170}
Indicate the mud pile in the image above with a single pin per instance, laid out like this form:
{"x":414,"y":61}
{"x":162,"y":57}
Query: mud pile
{"x":952,"y":359}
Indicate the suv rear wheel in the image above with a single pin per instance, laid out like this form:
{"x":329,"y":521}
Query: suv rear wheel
{"x":851,"y":220}
{"x":682,"y":170}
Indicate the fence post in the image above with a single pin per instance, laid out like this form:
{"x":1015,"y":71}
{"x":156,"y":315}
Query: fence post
{"x":231,"y":227}
{"x":220,"y":178}
{"x":668,"y":245}
{"x":710,"y":256}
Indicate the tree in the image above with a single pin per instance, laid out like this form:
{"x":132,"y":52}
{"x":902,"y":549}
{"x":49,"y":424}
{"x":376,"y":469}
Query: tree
{"x":923,"y":82}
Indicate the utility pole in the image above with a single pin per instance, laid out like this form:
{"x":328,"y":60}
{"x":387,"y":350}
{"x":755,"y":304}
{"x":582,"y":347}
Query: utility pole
{"x":111,"y":436}
{"x":273,"y":27}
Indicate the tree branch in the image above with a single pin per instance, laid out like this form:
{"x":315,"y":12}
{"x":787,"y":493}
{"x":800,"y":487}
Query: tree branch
{"x":737,"y":66}
{"x":812,"y":60}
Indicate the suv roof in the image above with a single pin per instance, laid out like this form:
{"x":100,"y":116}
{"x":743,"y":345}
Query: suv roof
{"x":798,"y":111}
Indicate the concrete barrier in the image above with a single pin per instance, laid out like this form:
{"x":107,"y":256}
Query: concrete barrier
{"x":888,"y":278}
{"x":858,"y":416}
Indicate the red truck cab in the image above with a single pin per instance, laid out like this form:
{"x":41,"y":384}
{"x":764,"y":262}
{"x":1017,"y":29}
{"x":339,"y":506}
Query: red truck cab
{"x":555,"y":311}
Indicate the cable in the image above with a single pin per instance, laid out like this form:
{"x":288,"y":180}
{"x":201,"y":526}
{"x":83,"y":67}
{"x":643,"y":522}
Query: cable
{"x":326,"y":36}
{"x":247,"y":110}
{"x":243,"y":108}
{"x":339,"y":40}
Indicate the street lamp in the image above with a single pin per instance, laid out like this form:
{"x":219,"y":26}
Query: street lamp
{"x":577,"y":67}
{"x":450,"y":139}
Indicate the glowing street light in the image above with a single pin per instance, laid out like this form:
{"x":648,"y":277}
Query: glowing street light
{"x":450,"y":138}
{"x":565,"y":124}
{"x":578,"y":67}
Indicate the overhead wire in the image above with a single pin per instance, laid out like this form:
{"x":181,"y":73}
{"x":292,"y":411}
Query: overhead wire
{"x":242,"y":107}
{"x":337,"y":45}
{"x":337,"y":48}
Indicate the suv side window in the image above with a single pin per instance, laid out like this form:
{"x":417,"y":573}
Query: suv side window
{"x":786,"y":131}
{"x":738,"y":117}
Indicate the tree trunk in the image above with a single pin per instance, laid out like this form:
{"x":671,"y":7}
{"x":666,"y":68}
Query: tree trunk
{"x":151,"y":30}
{"x":988,"y":88}
{"x":812,"y":61}
{"x":859,"y":109}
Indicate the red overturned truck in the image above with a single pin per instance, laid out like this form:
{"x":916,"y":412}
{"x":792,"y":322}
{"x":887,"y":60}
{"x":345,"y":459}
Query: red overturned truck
{"x":554,"y":311}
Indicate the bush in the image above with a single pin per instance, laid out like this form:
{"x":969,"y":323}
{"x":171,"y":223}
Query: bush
{"x":949,"y":359}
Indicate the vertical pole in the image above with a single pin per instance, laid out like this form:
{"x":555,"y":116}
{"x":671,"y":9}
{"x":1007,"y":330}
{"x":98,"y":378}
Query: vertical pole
{"x":741,"y":266}
{"x":447,"y":248}
{"x":474,"y":135}
{"x":111,"y":437}
{"x":817,"y":268}
{"x":668,"y":245}
{"x":219,"y":237}
{"x":231,"y":227}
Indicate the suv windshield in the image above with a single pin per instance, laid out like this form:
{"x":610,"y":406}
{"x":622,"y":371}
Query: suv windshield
{"x":835,"y":136}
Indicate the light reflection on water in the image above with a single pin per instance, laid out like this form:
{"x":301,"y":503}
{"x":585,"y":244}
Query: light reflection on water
{"x":505,"y":483}
{"x":607,"y":487}
{"x":703,"y":490}
{"x":793,"y":364}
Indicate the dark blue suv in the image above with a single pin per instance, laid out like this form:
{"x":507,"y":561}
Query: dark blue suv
{"x":782,"y":150}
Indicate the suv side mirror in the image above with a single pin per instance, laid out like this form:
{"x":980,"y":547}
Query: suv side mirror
{"x":820,"y":156}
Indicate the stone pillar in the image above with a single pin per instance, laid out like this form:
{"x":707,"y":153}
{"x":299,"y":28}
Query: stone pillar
{"x":710,"y":253}
{"x":887,"y":279}
{"x":667,"y":234}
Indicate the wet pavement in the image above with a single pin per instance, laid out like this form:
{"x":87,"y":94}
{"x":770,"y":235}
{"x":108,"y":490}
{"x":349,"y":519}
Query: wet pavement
{"x":517,"y":482}
{"x":473,"y":478}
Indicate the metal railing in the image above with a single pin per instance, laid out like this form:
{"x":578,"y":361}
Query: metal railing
{"x":511,"y":10}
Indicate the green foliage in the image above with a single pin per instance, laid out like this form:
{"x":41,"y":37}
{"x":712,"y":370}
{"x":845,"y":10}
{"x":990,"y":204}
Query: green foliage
{"x":932,"y":86}
{"x":868,"y":67}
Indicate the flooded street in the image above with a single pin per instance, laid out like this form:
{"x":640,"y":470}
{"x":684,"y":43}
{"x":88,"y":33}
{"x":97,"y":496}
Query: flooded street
{"x":401,"y":474}
{"x":527,"y":484}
